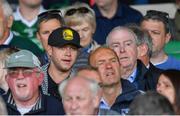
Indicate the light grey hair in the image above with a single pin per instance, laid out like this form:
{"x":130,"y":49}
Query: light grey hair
{"x":119,"y":28}
{"x":7,"y":10}
{"x":142,"y":37}
{"x":93,"y":86}
{"x":77,"y":17}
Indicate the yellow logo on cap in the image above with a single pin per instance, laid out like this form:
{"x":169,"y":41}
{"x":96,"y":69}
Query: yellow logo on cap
{"x":67,"y":34}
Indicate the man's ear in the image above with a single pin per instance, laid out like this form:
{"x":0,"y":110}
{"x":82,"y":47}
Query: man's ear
{"x":142,"y":50}
{"x":97,"y":98}
{"x":40,"y":77}
{"x":49,"y":50}
{"x":10,"y":21}
{"x":168,"y":37}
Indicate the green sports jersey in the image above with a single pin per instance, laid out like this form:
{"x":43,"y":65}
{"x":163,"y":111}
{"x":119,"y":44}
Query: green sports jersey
{"x":25,"y":29}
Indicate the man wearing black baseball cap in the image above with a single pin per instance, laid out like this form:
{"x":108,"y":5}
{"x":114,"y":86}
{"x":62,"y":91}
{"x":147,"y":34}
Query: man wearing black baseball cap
{"x":64,"y":44}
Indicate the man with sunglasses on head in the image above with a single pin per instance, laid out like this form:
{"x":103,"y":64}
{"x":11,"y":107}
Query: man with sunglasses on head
{"x":156,"y":23}
{"x":24,"y":77}
{"x":81,"y":18}
{"x":63,"y":47}
{"x":47,"y":22}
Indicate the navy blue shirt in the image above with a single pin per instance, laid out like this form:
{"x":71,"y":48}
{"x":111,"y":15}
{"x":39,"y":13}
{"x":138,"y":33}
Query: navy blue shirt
{"x":124,"y":15}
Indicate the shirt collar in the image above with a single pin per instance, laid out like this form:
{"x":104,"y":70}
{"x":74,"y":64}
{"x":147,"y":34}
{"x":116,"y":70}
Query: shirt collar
{"x":104,"y":104}
{"x":28,"y":23}
{"x":132,"y":77}
{"x":8,"y":40}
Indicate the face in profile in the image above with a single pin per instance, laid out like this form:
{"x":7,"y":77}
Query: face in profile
{"x":78,"y":98}
{"x":166,"y":88}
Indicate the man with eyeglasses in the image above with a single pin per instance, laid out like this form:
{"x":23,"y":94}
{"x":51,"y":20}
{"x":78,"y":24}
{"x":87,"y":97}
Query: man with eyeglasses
{"x":47,"y":22}
{"x":156,"y":23}
{"x":24,"y":77}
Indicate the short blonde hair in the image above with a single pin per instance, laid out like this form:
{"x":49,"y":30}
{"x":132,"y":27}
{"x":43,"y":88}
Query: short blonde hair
{"x":77,"y":18}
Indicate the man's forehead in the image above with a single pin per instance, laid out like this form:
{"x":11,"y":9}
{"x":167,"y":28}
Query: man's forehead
{"x":120,"y":36}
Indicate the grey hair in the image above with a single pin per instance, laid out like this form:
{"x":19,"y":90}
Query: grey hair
{"x":142,"y":37}
{"x":93,"y":86}
{"x":7,"y":10}
{"x":119,"y":28}
{"x":88,"y":17}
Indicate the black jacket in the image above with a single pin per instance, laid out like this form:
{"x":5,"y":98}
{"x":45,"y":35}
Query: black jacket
{"x":46,"y":105}
{"x":128,"y":94}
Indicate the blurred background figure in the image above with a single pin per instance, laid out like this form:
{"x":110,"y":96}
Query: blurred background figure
{"x":168,"y":85}
{"x":5,"y":52}
{"x":177,"y":20}
{"x":47,"y":22}
{"x":6,"y":20}
{"x":3,"y":110}
{"x":25,"y":20}
{"x":81,"y":18}
{"x":112,"y":13}
{"x":7,"y":37}
{"x":156,"y":23}
{"x":151,"y":103}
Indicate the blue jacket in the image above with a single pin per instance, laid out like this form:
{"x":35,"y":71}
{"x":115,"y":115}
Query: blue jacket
{"x":128,"y":94}
{"x":46,"y":105}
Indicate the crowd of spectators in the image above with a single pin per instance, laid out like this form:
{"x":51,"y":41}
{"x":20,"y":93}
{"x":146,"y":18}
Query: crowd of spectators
{"x":91,"y":57}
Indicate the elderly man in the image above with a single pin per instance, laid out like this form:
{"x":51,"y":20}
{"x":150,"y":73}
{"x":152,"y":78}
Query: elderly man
{"x":63,"y":47}
{"x":117,"y":93}
{"x":81,"y":96}
{"x":126,"y":45}
{"x":145,"y":48}
{"x":24,"y":77}
{"x":156,"y":23}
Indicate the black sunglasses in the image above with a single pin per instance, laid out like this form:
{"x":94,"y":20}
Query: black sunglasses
{"x":49,"y":12}
{"x":74,"y":10}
